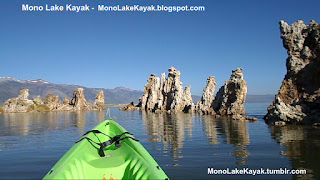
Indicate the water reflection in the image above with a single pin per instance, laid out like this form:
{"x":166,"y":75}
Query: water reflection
{"x":168,"y":129}
{"x":210,"y":127}
{"x":35,"y":123}
{"x":236,"y":133}
{"x":302,"y":146}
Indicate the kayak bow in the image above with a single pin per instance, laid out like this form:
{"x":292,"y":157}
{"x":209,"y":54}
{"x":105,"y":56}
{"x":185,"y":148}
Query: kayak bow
{"x":107,"y":151}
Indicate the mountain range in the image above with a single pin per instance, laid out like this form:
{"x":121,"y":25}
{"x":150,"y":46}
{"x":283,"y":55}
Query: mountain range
{"x":10,"y":87}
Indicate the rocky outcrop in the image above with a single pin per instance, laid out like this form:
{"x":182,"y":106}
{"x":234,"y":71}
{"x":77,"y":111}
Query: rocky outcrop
{"x":98,"y":103}
{"x":18,"y":104}
{"x":150,"y":99}
{"x":37,"y":100}
{"x":166,"y":94}
{"x":65,"y":101}
{"x":52,"y":102}
{"x":231,"y":96}
{"x":203,"y":106}
{"x":129,"y":107}
{"x":65,"y":106}
{"x":186,"y":100}
{"x":298,"y":99}
{"x":78,"y":101}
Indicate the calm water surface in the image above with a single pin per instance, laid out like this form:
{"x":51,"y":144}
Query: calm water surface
{"x":184,"y":145}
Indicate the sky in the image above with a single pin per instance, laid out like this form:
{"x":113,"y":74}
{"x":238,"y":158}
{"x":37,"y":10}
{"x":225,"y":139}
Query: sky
{"x":110,"y":49}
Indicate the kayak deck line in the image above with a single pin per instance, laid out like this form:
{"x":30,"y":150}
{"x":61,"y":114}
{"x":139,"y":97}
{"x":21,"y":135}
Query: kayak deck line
{"x":115,"y":139}
{"x":107,"y":151}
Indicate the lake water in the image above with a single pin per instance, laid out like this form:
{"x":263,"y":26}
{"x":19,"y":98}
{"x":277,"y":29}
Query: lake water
{"x":184,"y":145}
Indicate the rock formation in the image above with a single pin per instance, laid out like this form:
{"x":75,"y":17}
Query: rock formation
{"x":18,"y":104}
{"x":186,"y":100}
{"x":37,"y":100}
{"x":129,"y":107}
{"x":166,"y":94}
{"x":65,"y":101}
{"x":151,"y":93}
{"x":203,"y":106}
{"x":65,"y":106}
{"x":298,"y":99}
{"x":78,"y":101}
{"x":98,"y":103}
{"x":230,"y":98}
{"x":52,"y":102}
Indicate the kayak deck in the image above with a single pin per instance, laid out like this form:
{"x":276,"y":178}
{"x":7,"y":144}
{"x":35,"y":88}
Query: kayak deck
{"x":128,"y":161}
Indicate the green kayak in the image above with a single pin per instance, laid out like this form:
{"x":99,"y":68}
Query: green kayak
{"x":107,"y":151}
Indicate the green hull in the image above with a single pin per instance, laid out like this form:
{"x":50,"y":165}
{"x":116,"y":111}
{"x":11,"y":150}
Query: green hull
{"x":128,"y":161}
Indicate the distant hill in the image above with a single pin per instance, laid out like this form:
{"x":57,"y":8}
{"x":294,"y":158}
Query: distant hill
{"x":268,"y":98}
{"x":9,"y":87}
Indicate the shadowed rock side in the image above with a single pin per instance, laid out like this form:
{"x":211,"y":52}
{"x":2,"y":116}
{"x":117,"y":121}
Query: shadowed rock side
{"x":203,"y":106}
{"x":166,"y":94}
{"x":52,"y":103}
{"x":298,"y":99}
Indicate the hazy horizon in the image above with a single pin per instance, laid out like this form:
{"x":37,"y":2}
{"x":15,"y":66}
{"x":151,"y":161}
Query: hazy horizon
{"x":119,"y":86}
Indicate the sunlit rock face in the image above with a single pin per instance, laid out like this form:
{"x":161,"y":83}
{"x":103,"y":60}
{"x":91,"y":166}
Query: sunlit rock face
{"x":166,"y":94}
{"x":203,"y":106}
{"x":78,"y":101}
{"x":98,"y":103}
{"x":231,"y":96}
{"x":52,"y":102}
{"x":19,"y":103}
{"x":298,"y":99}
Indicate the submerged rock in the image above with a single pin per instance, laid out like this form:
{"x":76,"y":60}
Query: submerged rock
{"x":129,"y":107}
{"x":203,"y":106}
{"x":298,"y":99}
{"x":231,"y":96}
